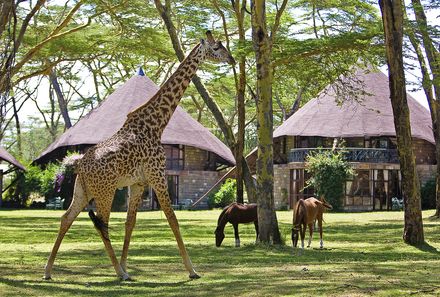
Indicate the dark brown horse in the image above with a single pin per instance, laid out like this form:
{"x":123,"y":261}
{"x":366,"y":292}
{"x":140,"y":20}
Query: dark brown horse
{"x":235,"y":213}
{"x":305,"y":213}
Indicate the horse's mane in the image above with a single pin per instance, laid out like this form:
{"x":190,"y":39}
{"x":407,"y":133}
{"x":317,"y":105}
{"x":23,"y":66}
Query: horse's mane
{"x":221,"y":218}
{"x":296,"y":213}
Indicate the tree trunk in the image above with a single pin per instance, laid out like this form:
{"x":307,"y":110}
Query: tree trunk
{"x":1,"y":187}
{"x":17,"y":127}
{"x":164,"y":11}
{"x":61,"y":100}
{"x":267,"y":220}
{"x":392,"y":16}
{"x":241,"y":89}
{"x":6,"y":9}
{"x":432,"y":55}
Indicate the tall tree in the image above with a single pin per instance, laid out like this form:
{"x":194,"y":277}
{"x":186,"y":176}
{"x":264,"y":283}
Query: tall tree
{"x":239,"y":9}
{"x":165,"y":13}
{"x":262,"y":42}
{"x":62,"y":104}
{"x":431,"y":86}
{"x":392,"y":16}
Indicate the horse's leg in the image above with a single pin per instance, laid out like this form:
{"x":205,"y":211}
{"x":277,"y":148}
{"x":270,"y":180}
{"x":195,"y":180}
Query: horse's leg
{"x":303,"y":234}
{"x":311,"y":234}
{"x":237,"y":236}
{"x":79,"y":201}
{"x":321,"y":242}
{"x":256,"y":230}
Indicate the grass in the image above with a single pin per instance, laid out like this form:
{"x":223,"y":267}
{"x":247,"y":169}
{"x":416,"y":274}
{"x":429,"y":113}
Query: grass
{"x":364,"y":256}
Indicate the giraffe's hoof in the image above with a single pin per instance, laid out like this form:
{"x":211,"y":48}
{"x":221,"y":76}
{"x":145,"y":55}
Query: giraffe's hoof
{"x":125,"y":277}
{"x":47,"y":277}
{"x":194,"y":276}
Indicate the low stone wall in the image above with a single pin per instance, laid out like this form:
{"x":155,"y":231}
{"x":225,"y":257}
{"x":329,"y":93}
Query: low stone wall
{"x":193,"y":184}
{"x":426,"y":172}
{"x":281,"y":186}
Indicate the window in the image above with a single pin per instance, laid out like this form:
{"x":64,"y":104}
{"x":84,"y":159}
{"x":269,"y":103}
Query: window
{"x":174,"y":155}
{"x":359,"y":185}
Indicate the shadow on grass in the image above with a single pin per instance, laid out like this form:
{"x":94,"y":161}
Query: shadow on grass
{"x":426,"y":247}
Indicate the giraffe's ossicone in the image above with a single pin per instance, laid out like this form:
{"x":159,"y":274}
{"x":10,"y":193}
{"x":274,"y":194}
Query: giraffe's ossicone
{"x":134,"y":157}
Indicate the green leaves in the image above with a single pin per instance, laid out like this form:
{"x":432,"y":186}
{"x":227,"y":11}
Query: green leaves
{"x":328,"y":171}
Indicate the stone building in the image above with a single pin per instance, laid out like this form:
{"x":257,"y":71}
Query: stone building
{"x":367,"y":128}
{"x":196,"y":158}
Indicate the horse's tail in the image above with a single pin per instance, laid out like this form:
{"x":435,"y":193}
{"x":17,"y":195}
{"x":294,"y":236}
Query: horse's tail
{"x":296,"y":212}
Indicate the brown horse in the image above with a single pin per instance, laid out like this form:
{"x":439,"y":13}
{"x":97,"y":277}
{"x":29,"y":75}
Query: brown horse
{"x":235,"y":213}
{"x":305,"y":213}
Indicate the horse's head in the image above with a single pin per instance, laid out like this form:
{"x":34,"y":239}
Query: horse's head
{"x":295,"y":235}
{"x":219,"y":236}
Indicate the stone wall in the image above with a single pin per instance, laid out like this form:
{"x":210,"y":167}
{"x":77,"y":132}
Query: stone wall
{"x":193,"y":184}
{"x":424,"y":152}
{"x":195,"y":158}
{"x":426,"y":172}
{"x":281,"y":186}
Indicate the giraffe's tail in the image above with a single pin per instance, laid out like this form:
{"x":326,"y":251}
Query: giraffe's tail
{"x":99,"y":224}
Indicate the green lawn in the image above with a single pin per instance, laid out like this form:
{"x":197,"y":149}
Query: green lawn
{"x":364,"y":256}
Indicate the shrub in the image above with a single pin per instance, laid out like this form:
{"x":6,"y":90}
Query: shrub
{"x":328,"y":171}
{"x":427,"y":193}
{"x":33,"y":181}
{"x":225,"y":195}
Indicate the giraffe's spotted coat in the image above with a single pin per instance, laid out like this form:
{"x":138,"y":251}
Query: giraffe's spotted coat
{"x":134,"y":157}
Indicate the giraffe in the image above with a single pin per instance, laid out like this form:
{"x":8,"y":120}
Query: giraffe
{"x":134,"y":157}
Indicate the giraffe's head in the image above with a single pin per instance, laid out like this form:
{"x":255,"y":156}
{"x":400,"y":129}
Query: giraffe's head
{"x":215,"y":50}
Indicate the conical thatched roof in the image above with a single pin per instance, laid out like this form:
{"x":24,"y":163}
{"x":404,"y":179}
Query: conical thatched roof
{"x":373,"y":116}
{"x":103,"y":121}
{"x":4,"y":155}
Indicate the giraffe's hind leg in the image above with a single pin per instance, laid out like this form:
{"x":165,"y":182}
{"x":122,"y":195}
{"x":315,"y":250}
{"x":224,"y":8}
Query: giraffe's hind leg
{"x":135,"y":194}
{"x":79,"y":201}
{"x":103,"y":201}
{"x":157,"y":180}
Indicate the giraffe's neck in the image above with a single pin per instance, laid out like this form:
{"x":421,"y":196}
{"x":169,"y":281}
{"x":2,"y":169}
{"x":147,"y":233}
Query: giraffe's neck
{"x":159,"y":109}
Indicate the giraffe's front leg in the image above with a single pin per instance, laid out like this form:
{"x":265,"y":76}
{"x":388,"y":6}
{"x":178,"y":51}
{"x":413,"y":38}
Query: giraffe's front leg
{"x":78,"y":203}
{"x":158,"y":182}
{"x":135,"y":194}
{"x":100,"y":220}
{"x":165,"y":205}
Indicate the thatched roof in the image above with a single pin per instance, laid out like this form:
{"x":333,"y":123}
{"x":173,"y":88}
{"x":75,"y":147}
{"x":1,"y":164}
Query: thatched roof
{"x":373,"y":116}
{"x":103,"y":121}
{"x":4,"y":155}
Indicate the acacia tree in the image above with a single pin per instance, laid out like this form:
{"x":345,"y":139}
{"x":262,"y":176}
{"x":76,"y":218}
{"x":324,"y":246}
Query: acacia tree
{"x":234,"y":143}
{"x":262,"y":42}
{"x":392,"y":15}
{"x":419,"y":34}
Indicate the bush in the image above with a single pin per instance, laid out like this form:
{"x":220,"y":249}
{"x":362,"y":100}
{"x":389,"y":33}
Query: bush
{"x":427,"y":193}
{"x":328,"y":171}
{"x":224,"y":196}
{"x":33,"y":181}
